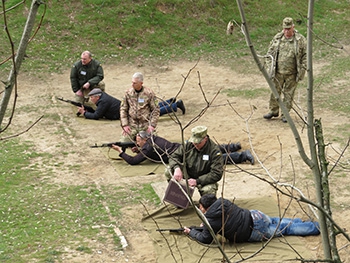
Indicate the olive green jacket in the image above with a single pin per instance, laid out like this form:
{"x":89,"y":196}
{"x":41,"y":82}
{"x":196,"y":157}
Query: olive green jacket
{"x":81,"y":74}
{"x":205,"y":165}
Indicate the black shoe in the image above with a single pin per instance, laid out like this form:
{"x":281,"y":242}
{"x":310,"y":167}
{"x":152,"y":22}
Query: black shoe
{"x":180,"y":104}
{"x":249,"y":156}
{"x":171,"y":100}
{"x":270,"y":115}
{"x":284,"y":119}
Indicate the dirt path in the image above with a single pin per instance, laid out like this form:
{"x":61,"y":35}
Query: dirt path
{"x":271,"y":141}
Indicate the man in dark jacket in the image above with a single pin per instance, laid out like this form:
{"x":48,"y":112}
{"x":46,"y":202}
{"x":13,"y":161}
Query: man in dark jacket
{"x":153,"y":148}
{"x":107,"y":106}
{"x":85,"y":75}
{"x":243,"y":225}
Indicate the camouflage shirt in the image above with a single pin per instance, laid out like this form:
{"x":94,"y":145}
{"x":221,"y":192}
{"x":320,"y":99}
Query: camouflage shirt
{"x":289,"y":55}
{"x":205,"y":165}
{"x":139,"y":109}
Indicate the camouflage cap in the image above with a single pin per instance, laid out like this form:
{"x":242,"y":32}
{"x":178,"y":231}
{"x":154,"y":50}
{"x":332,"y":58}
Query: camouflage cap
{"x":287,"y":22}
{"x":95,"y":91}
{"x":198,"y":133}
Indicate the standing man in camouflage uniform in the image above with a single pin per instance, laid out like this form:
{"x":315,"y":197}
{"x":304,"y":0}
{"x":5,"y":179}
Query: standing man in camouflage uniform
{"x":139,"y":110}
{"x":288,"y":66}
{"x":204,"y":162}
{"x":86,"y":75}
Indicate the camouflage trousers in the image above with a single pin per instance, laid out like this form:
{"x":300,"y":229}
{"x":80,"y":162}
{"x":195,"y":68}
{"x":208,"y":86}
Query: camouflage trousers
{"x":285,"y":84}
{"x":206,"y":189}
{"x":85,"y":98}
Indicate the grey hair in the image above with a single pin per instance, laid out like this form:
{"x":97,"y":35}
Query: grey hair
{"x":87,"y":52}
{"x":138,"y":75}
{"x":144,"y":134}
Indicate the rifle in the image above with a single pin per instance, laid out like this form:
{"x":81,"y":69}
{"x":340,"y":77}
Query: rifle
{"x":179,"y":230}
{"x":78,"y":104}
{"x":123,"y":145}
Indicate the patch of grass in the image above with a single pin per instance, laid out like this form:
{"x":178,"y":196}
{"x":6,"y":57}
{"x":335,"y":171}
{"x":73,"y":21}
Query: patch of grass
{"x":246,"y":93}
{"x":162,"y":30}
{"x":84,"y":249}
{"x":38,"y":218}
{"x":341,"y":133}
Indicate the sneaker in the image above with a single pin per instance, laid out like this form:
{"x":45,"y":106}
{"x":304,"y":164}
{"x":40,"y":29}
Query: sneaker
{"x":180,"y":104}
{"x":270,"y":115}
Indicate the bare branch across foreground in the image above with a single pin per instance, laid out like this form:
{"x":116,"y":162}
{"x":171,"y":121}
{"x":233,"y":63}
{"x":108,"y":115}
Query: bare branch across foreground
{"x":20,"y":133}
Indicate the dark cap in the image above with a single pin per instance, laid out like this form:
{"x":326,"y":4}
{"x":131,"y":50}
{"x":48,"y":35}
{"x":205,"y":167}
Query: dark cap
{"x":95,"y":91}
{"x":287,"y":22}
{"x":198,"y":133}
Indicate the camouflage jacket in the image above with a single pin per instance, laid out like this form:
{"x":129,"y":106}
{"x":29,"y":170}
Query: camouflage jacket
{"x":205,"y":165}
{"x":139,"y":109}
{"x":80,"y":74}
{"x":298,"y":53}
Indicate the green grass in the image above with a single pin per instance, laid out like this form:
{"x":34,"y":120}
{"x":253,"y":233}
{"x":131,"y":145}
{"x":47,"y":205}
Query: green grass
{"x":160,"y":30}
{"x":247,"y":93}
{"x":40,"y":220}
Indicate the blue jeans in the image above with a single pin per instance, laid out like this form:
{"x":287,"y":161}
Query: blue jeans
{"x":265,"y":227}
{"x":167,"y":107}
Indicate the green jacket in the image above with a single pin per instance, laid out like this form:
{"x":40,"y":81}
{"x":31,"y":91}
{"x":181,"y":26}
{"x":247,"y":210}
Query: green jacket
{"x":80,"y":74}
{"x":205,"y":165}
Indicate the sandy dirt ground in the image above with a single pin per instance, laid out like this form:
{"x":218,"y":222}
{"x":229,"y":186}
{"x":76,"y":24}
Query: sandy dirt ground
{"x":229,"y":119}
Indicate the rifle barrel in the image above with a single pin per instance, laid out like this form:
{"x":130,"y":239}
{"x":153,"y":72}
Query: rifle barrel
{"x":170,"y":229}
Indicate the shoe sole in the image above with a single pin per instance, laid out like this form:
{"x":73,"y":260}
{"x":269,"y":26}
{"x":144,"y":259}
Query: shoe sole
{"x":269,"y":118}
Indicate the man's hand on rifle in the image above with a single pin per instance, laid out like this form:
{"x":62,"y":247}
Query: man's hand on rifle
{"x":117,"y":148}
{"x":186,"y":230}
{"x":81,"y":110}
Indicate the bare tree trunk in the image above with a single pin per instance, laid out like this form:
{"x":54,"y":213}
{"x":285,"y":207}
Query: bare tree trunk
{"x":19,"y":58}
{"x":311,"y":135}
{"x":325,"y":190}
